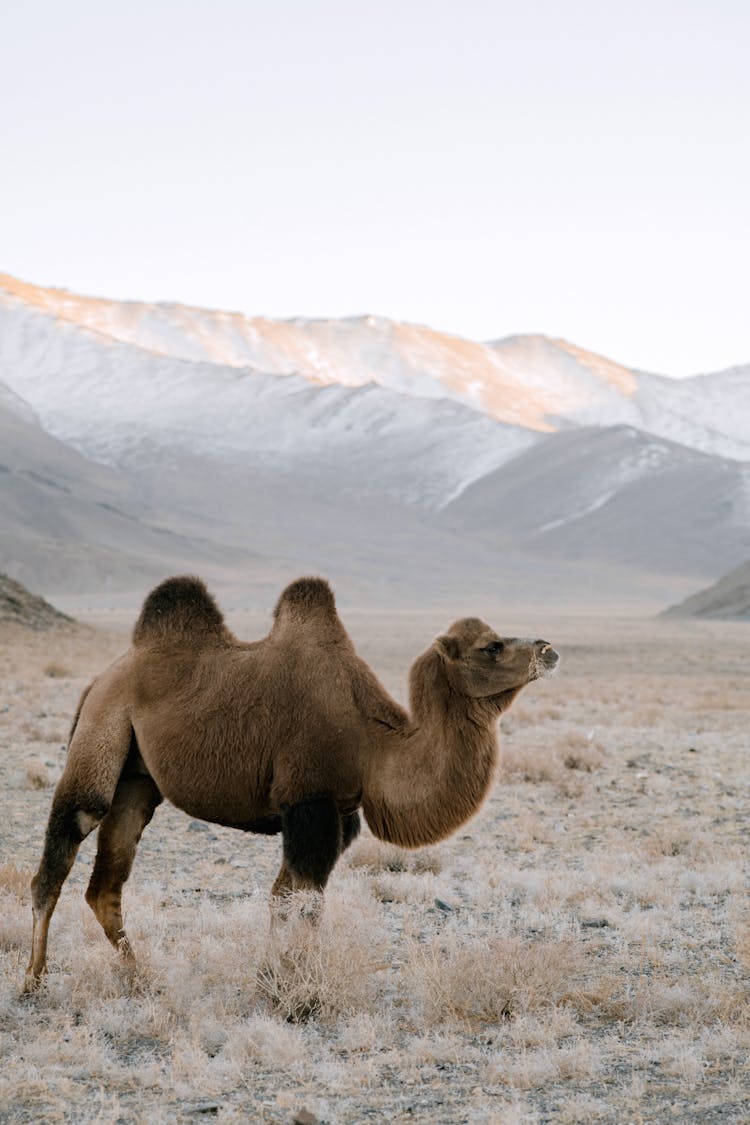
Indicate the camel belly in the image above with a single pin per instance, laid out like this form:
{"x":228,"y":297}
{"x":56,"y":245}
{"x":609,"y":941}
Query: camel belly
{"x":247,"y":790}
{"x":208,"y":777}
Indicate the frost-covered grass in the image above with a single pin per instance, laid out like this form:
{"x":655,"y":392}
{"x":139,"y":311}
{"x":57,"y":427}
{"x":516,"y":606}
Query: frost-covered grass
{"x":580,"y":952}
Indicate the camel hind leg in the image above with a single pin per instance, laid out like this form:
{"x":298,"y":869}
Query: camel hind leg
{"x":133,"y":805}
{"x":96,"y":756}
{"x":69,"y":824}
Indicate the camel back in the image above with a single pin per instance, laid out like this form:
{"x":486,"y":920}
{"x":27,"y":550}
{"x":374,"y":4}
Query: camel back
{"x":179,"y":609}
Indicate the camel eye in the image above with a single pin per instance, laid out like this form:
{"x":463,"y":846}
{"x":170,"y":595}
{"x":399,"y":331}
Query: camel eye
{"x":494,"y":649}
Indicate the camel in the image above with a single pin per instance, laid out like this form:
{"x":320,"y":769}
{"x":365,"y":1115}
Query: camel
{"x":291,"y":734}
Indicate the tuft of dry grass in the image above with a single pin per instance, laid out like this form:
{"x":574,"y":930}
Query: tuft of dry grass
{"x":541,"y":1066}
{"x":376,"y":856}
{"x":534,"y":760}
{"x":326,"y":969}
{"x":37,"y":775}
{"x":15,"y":880}
{"x":55,"y":671}
{"x":456,"y":977}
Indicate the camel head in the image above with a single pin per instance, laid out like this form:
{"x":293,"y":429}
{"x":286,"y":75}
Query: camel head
{"x":482,"y":664}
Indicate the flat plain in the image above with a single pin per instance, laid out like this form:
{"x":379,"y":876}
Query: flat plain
{"x":580,"y":952}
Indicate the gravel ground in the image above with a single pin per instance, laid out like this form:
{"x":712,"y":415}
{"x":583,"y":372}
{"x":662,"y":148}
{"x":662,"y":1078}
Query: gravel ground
{"x":580,"y":952}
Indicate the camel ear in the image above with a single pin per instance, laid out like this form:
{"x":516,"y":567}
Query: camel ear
{"x":448,"y":646}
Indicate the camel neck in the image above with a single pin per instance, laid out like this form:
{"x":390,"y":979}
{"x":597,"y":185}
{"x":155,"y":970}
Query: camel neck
{"x":433,"y":775}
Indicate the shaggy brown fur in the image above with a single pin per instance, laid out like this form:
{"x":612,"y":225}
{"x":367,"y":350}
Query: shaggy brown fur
{"x":290,"y":734}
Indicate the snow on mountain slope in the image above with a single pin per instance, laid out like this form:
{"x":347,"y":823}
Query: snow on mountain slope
{"x":406,"y":358}
{"x":126,"y":406}
{"x":534,"y":382}
{"x":710,"y":413}
{"x":69,"y":523}
{"x":614,"y":494}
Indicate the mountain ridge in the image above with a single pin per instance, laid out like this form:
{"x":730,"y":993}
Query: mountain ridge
{"x":376,"y":455}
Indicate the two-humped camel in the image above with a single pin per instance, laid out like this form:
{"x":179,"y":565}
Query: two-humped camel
{"x":290,"y":734}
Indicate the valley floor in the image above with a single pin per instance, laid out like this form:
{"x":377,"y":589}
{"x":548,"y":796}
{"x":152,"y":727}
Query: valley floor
{"x":579,"y":953}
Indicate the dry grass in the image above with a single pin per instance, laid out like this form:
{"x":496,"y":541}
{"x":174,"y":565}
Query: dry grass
{"x":57,"y":671}
{"x":37,"y":775}
{"x":455,"y":977}
{"x":579,"y":952}
{"x":322,"y":971}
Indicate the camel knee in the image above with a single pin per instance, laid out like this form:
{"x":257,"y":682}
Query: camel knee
{"x":313,"y":838}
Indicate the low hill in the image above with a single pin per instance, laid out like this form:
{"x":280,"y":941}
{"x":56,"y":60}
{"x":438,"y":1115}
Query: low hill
{"x":18,"y":606}
{"x":729,"y":597}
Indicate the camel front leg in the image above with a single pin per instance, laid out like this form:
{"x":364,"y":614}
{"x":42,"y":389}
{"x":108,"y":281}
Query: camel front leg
{"x":313,"y":837}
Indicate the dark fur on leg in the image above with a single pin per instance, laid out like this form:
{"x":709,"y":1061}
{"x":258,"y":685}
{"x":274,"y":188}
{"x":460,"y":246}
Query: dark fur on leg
{"x":350,"y":827}
{"x":69,"y":824}
{"x":312,"y":838}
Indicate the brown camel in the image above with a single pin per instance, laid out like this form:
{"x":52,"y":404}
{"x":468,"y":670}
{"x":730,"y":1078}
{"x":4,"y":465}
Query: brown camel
{"x":290,"y":734}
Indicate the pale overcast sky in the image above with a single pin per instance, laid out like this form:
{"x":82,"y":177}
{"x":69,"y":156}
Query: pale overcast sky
{"x":580,"y":169}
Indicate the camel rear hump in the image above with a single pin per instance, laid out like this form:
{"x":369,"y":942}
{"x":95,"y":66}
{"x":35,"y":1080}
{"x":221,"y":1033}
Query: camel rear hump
{"x":308,"y":602}
{"x":180,"y":609}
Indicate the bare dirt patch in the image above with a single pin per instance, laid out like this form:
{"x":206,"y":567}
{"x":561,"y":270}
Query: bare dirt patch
{"x":578,"y":953}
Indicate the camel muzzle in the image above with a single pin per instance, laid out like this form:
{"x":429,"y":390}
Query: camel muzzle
{"x":547,"y":655}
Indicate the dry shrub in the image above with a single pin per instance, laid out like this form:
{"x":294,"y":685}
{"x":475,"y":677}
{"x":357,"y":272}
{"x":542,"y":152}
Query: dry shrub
{"x":15,"y":914}
{"x":742,"y":943}
{"x":531,"y":763}
{"x":460,"y":977}
{"x":31,"y":731}
{"x":682,"y":1059}
{"x":323,"y":970}
{"x":578,"y":1060}
{"x":364,"y":1031}
{"x":543,"y":1029}
{"x":419,"y":890}
{"x":36,"y":775}
{"x":545,"y":759}
{"x":443,"y":1047}
{"x":262,"y":1039}
{"x":520,"y":715}
{"x":580,"y":752}
{"x":690,"y":1001}
{"x":57,"y":671}
{"x":15,"y":880}
{"x":581,"y":1107}
{"x":376,"y":856}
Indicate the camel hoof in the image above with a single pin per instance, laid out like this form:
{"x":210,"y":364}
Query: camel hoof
{"x":33,"y":983}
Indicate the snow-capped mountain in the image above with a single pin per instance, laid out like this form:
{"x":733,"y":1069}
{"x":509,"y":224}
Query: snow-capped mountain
{"x":533,"y":382}
{"x":377,"y":451}
{"x":125,"y":405}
